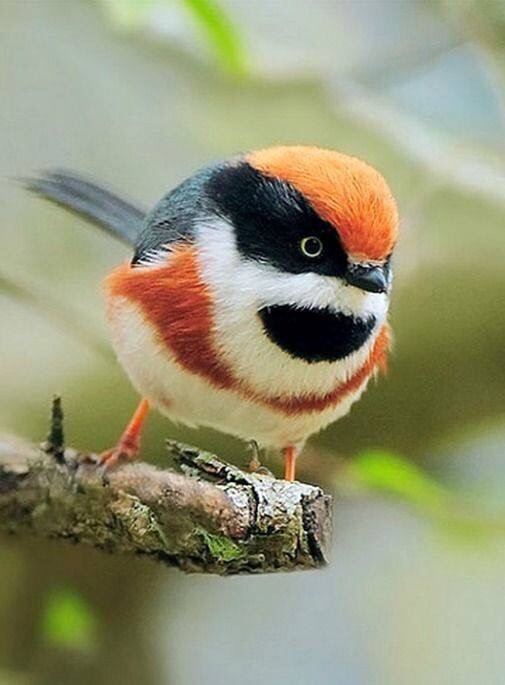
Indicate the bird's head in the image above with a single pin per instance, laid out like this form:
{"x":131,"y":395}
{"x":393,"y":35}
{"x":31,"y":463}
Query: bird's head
{"x":298,"y":238}
{"x":308,"y":234}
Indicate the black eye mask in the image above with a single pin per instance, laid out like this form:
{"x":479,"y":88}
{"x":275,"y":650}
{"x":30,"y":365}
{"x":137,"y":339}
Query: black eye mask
{"x":271,"y":219}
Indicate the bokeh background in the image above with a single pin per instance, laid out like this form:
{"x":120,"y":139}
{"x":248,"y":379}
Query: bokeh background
{"x":139,"y":93}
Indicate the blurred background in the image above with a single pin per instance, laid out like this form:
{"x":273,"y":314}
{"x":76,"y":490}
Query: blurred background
{"x":139,"y":93}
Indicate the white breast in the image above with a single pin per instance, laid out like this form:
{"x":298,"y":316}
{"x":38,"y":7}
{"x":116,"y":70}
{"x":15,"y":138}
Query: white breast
{"x":185,"y":397}
{"x":238,"y":290}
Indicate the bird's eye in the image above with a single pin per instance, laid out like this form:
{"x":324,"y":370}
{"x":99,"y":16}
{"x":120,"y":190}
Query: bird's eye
{"x":311,"y":246}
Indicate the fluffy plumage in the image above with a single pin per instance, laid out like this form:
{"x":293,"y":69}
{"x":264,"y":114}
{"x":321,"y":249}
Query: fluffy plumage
{"x":176,"y":305}
{"x":221,"y":319}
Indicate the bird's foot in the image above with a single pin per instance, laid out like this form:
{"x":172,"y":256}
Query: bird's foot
{"x":128,"y":446}
{"x":255,"y":465}
{"x":125,"y":450}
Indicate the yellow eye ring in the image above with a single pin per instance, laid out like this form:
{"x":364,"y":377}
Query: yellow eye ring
{"x":311,"y":246}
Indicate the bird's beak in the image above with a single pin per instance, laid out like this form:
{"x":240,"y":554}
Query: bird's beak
{"x":373,"y":279}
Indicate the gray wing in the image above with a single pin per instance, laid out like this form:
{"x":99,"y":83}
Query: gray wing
{"x":175,"y":216}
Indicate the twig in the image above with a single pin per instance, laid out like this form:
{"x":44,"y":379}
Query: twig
{"x":55,"y":443}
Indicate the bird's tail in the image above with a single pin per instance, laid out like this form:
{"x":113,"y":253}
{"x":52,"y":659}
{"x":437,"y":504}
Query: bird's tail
{"x":94,"y":203}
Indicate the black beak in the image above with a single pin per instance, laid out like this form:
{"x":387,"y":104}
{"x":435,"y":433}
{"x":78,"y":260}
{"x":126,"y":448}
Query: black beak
{"x":373,"y":279}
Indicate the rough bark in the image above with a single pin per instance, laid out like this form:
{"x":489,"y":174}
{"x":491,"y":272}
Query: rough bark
{"x":212,"y":518}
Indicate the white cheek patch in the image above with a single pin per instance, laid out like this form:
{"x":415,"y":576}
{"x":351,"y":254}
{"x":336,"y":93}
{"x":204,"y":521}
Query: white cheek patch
{"x":271,"y":287}
{"x":263,"y":285}
{"x":240,"y":287}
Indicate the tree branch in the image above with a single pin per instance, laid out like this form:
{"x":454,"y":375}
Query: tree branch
{"x":214,"y":518}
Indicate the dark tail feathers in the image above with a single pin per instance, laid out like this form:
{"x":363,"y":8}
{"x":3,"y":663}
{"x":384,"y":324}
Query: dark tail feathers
{"x":97,"y":205}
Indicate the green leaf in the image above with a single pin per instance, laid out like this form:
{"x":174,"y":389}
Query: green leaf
{"x":221,"y":33}
{"x":381,"y":471}
{"x":68,"y":621}
{"x":388,"y":473}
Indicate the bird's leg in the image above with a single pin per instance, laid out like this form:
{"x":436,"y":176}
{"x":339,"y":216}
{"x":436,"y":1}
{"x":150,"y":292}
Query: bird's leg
{"x":290,"y":453}
{"x":128,"y":445}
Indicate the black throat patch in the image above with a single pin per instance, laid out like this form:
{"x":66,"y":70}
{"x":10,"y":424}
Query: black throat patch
{"x":315,"y":335}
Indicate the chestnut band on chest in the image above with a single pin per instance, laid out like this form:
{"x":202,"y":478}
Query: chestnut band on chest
{"x":175,"y":301}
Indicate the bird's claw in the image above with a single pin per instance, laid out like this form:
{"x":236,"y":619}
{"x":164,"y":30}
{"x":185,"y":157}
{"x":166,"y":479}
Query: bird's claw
{"x":122,"y":452}
{"x":255,"y":465}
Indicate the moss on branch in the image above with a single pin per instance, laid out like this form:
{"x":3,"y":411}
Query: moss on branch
{"x":211,"y":518}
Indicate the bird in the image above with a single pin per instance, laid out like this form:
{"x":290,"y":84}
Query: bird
{"x":256,"y":301}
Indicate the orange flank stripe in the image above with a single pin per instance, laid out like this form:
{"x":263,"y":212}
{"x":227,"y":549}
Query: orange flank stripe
{"x":178,"y":305}
{"x":345,"y":191}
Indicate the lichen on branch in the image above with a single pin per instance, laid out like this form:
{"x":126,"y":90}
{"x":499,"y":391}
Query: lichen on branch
{"x":211,"y":518}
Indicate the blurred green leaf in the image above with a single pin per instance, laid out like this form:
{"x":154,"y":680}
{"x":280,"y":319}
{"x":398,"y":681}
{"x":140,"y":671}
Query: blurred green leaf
{"x":221,"y":33}
{"x":394,"y":476}
{"x":391,"y":474}
{"x":68,"y":621}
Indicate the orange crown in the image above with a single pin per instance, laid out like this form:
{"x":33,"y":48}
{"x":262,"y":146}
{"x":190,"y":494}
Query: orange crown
{"x":346,"y":192}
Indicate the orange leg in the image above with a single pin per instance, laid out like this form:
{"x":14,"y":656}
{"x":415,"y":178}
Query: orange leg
{"x":128,"y":445}
{"x":290,"y":454}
